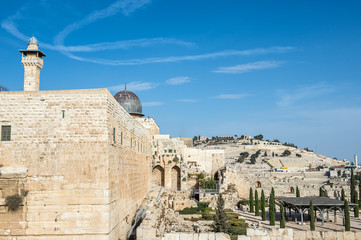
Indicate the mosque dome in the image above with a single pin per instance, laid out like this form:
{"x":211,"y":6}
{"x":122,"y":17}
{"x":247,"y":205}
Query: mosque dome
{"x":33,"y":40}
{"x":130,"y":102}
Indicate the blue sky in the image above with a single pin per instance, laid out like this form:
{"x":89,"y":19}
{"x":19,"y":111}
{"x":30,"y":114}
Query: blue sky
{"x":286,"y":69}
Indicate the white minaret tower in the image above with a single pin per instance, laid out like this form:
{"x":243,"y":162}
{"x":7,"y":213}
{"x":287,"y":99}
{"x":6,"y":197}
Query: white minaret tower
{"x":32,"y":60}
{"x":356,"y":164}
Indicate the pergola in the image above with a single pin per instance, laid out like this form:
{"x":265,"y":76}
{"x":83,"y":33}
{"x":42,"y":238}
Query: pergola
{"x":322,"y":204}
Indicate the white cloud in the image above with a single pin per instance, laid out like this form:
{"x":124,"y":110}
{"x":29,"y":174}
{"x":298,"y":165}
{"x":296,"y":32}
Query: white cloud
{"x":243,"y":68}
{"x":231,"y":96}
{"x":134,"y":86}
{"x":178,"y":80}
{"x":126,"y":7}
{"x":172,"y":59}
{"x":302,"y":93}
{"x":152,"y":104}
{"x":188,"y":100}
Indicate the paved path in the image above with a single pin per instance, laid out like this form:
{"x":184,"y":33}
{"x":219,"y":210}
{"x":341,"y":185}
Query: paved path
{"x":251,"y":219}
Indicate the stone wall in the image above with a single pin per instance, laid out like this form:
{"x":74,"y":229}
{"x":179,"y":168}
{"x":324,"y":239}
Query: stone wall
{"x":284,"y":183}
{"x":88,"y":163}
{"x":291,"y":234}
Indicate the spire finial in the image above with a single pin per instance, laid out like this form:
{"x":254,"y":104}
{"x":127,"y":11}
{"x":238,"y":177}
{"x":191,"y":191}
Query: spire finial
{"x":125,"y":87}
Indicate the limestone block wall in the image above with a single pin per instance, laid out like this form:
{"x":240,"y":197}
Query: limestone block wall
{"x":284,"y":184}
{"x":81,"y":182}
{"x":208,"y":160}
{"x":291,"y":234}
{"x":130,"y":167}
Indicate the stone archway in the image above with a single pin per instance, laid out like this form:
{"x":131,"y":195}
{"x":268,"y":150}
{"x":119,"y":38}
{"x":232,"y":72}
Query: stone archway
{"x":158,"y":175}
{"x":176,"y":178}
{"x":292,"y":190}
{"x":258,"y":184}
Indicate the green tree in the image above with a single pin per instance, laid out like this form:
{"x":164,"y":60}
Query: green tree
{"x":321,"y":192}
{"x":312,"y":220}
{"x":347,"y":217}
{"x":356,"y":209}
{"x":343,"y":195}
{"x":258,"y":137}
{"x":282,"y":220}
{"x":272,"y":208}
{"x":298,"y":192}
{"x":286,"y":153}
{"x":251,"y":203}
{"x":220,"y":223}
{"x":263,"y":206}
{"x":256,"y":202}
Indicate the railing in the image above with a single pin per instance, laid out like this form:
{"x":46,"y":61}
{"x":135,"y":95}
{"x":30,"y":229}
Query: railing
{"x":206,"y":191}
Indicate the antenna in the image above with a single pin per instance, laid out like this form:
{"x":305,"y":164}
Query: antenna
{"x":125,"y":86}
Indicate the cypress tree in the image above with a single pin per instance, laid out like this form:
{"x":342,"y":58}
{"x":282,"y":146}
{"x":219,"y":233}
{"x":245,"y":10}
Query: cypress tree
{"x":263,"y":206}
{"x":359,"y":190}
{"x":251,"y":206}
{"x":282,"y":220}
{"x":298,"y":192}
{"x":353,"y":187}
{"x":272,"y":208}
{"x":220,"y":218}
{"x":343,"y":195}
{"x":356,"y":209}
{"x":347,"y":217}
{"x":256,"y":202}
{"x":322,"y":193}
{"x":312,"y":220}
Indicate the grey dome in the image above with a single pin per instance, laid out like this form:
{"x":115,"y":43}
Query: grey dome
{"x":130,"y":102}
{"x":33,"y":40}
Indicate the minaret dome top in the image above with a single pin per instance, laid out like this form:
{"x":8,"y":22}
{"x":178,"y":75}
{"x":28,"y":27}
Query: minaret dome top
{"x":33,"y":40}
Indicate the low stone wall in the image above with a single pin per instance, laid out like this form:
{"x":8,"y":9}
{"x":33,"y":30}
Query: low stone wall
{"x":196,"y":236}
{"x":291,"y":234}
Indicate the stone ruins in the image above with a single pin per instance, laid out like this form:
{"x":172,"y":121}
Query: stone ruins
{"x":87,"y":166}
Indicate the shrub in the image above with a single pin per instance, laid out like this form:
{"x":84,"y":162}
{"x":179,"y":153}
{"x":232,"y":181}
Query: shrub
{"x":286,"y":153}
{"x":184,"y":179}
{"x":258,"y":137}
{"x":208,"y":183}
{"x":175,"y":159}
{"x":13,"y":202}
{"x":298,"y":155}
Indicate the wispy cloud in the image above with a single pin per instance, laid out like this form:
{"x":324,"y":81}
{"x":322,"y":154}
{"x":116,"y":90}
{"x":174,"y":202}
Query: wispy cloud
{"x":134,"y":86}
{"x":232,"y":96}
{"x":172,"y":59}
{"x":126,"y":6}
{"x":302,"y":93}
{"x":152,"y":104}
{"x":178,"y":80}
{"x":248,"y":67}
{"x":188,"y":100}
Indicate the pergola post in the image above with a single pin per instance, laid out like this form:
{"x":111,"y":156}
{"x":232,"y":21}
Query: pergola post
{"x":343,"y":217}
{"x":335,"y":216}
{"x":285,"y":214}
{"x":296,"y":216}
{"x":323,"y":221}
{"x":301,"y":211}
{"x":328,"y":217}
{"x":315,"y":216}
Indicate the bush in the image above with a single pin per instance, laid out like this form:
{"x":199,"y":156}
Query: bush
{"x":258,"y":137}
{"x":13,"y":202}
{"x":208,"y":183}
{"x":286,"y":153}
{"x":298,"y":155}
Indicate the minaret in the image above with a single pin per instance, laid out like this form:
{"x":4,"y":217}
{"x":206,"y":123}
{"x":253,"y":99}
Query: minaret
{"x":32,"y":60}
{"x":356,"y":164}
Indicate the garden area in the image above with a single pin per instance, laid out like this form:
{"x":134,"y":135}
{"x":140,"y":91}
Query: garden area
{"x":235,"y":226}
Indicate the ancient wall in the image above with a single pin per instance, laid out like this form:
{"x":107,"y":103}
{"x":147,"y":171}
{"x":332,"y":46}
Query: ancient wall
{"x":284,"y":184}
{"x":81,"y":183}
{"x":291,"y":234}
{"x":207,"y":160}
